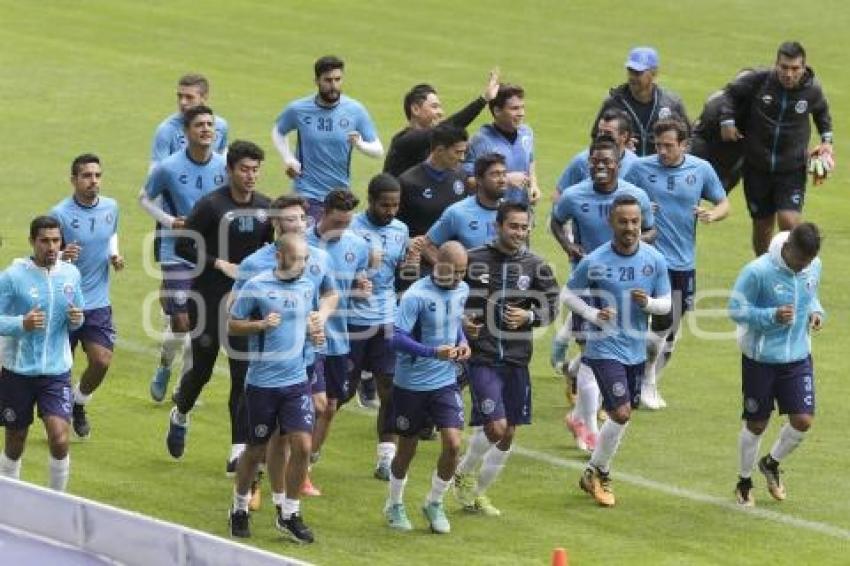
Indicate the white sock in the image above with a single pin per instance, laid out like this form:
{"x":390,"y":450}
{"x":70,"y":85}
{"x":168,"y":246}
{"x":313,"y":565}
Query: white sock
{"x":748,"y":450}
{"x":789,"y":439}
{"x":172,"y":344}
{"x":439,"y":486}
{"x":277,"y":498}
{"x":606,"y":446}
{"x":494,"y":463}
{"x":240,"y":502}
{"x":10,"y":468}
{"x":386,"y":453}
{"x":588,"y":399}
{"x":179,"y":418}
{"x":478,"y":446}
{"x":59,"y":472}
{"x":79,"y":397}
{"x":397,"y":489}
{"x":236,"y":450}
{"x":290,"y":506}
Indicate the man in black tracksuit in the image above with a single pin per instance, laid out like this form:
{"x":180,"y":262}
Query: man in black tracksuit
{"x":643,"y":100}
{"x":512,"y":292}
{"x":777,"y":103}
{"x":240,"y":215}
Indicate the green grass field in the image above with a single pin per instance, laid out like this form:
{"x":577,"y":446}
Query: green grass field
{"x":99,"y":76}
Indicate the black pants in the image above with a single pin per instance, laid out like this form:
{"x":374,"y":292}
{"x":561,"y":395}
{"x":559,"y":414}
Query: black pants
{"x":208,"y":321}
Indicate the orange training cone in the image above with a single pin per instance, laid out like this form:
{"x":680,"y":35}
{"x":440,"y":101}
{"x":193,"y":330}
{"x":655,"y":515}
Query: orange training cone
{"x":559,"y":557}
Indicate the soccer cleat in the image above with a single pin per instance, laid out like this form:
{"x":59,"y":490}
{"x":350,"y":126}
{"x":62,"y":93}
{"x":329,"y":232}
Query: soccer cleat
{"x":256,"y":494}
{"x":382,"y":471}
{"x":744,"y":492}
{"x":584,"y":442}
{"x":436,"y":515}
{"x":80,"y":421}
{"x":650,"y":398}
{"x":396,"y":516}
{"x":230,"y":468}
{"x":463,"y":488}
{"x":308,"y":489}
{"x":294,"y":528}
{"x":771,"y":473}
{"x":590,"y":441}
{"x":598,"y":485}
{"x":239,"y":524}
{"x":159,"y":383}
{"x":482,"y":504}
{"x":175,"y":441}
{"x":367,"y":394}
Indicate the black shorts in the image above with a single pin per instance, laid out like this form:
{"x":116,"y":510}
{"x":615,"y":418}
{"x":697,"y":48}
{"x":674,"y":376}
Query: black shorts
{"x":767,"y":193}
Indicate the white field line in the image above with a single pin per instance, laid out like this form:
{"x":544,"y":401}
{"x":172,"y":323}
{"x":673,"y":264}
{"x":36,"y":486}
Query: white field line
{"x":639,"y":481}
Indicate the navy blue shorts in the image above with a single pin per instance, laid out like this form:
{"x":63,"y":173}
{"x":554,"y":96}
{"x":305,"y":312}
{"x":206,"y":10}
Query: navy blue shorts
{"x":288,"y":409}
{"x":682,"y":287}
{"x":791,"y":386}
{"x":411,"y":410}
{"x":176,"y":284}
{"x":19,"y":394}
{"x":337,"y":372}
{"x":316,"y":375}
{"x":500,"y":392}
{"x":371,"y":350}
{"x":97,"y":327}
{"x":619,"y":383}
{"x":768,"y":193}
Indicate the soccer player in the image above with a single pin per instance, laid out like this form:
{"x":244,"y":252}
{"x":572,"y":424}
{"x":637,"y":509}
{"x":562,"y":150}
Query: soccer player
{"x":223,"y":228}
{"x":177,"y":183}
{"x":428,"y":337}
{"x":629,"y":281}
{"x":279,"y":307}
{"x":370,"y":321}
{"x":587,"y":207}
{"x":89,"y":226}
{"x":613,"y":123}
{"x":170,"y":136}
{"x":472,"y":221}
{"x":643,"y":100}
{"x":677,"y":184}
{"x":777,"y":103}
{"x":329,"y":125}
{"x":424,"y":112}
{"x":510,"y":137}
{"x":350,"y":260}
{"x":41,"y":303}
{"x":512,"y":292}
{"x":775,"y":304}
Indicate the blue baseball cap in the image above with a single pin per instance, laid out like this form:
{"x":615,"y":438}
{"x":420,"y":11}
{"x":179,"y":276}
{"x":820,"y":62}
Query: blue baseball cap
{"x":642,"y":59}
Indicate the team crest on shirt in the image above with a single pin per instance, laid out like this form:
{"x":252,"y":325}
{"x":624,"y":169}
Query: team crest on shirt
{"x":780,"y":289}
{"x":349,"y":257}
{"x":751,"y":405}
{"x":523,"y":283}
{"x":458,"y":187}
{"x":691,"y":179}
{"x":315,"y":269}
{"x":488,"y":406}
{"x":647,"y":270}
{"x":229,"y":215}
{"x":402,"y":422}
{"x":526,"y":143}
{"x":597,"y":272}
{"x":262,"y":215}
{"x":796,"y":197}
{"x":432,"y":306}
{"x":68,"y":291}
{"x":34,"y":292}
{"x":618,"y":389}
{"x":801,"y":106}
{"x":9,"y":415}
{"x":343,"y":123}
{"x":428,"y":193}
{"x":664,"y":113}
{"x":261,"y":431}
{"x":180,"y":297}
{"x":473,"y":225}
{"x":767,"y":99}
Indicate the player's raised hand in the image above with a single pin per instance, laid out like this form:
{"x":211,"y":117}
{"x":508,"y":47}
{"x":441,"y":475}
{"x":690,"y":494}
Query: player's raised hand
{"x":75,"y":315}
{"x":293,"y":169}
{"x":446,"y":352}
{"x":815,"y":321}
{"x":785,"y":314}
{"x":640,"y":297}
{"x":117,"y":262}
{"x":34,"y":320}
{"x":492,"y":88}
{"x":72,"y":252}
{"x":272,"y":320}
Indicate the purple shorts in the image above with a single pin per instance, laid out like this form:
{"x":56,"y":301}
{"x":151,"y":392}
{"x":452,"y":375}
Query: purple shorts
{"x":20,"y":393}
{"x":97,"y":327}
{"x":371,"y":350}
{"x":500,"y":392}
{"x":289,"y":409}
{"x":791,"y":386}
{"x":411,"y":410}
{"x":316,"y":375}
{"x":682,"y":287}
{"x":176,"y":284}
{"x":337,"y":372}
{"x":618,"y":382}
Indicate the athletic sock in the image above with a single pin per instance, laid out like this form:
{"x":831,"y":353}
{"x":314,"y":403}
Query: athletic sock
{"x":172,"y":344}
{"x":397,"y":489}
{"x":240,"y":502}
{"x":10,"y":468}
{"x":277,"y":498}
{"x":179,"y":418}
{"x":748,"y":450}
{"x":59,"y":472}
{"x":494,"y":463}
{"x":588,"y":399}
{"x":478,"y":446}
{"x":789,"y":439}
{"x":606,"y":446}
{"x":438,"y":488}
{"x":386,"y":453}
{"x":236,"y":451}
{"x":79,"y":397}
{"x":289,"y":507}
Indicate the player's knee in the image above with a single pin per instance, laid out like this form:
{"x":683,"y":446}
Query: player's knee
{"x":801,"y":422}
{"x":496,"y":430}
{"x":100,"y":360}
{"x":57,"y":443}
{"x":179,"y":324}
{"x":756,"y":427}
{"x":15,"y":442}
{"x":621,"y":414}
